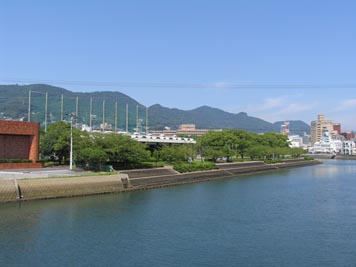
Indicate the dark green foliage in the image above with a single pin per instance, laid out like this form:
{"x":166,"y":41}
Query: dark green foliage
{"x":91,"y":151}
{"x":230,"y":144}
{"x":194,"y":166}
{"x":308,"y":158}
{"x":55,"y":143}
{"x":174,"y":153}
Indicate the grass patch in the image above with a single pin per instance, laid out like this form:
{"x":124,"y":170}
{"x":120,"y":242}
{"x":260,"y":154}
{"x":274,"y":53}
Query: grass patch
{"x":272,"y":161}
{"x":194,"y":166}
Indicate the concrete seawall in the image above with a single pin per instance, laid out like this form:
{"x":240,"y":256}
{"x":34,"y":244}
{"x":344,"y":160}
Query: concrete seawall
{"x":30,"y":189}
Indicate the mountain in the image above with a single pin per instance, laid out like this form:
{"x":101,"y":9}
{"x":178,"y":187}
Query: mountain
{"x":14,"y":100}
{"x":206,"y":118}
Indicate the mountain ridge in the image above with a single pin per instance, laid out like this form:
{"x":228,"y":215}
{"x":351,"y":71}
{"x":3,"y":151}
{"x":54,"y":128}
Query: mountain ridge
{"x":14,"y":104}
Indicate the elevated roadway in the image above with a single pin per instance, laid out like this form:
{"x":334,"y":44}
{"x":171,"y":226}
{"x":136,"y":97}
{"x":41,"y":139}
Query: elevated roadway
{"x":162,"y":139}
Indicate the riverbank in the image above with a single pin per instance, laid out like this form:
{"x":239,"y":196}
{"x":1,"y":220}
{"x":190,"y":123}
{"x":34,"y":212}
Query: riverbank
{"x":12,"y":190}
{"x":331,"y":156}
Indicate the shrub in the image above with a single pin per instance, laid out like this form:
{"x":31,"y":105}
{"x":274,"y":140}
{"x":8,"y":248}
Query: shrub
{"x":308,"y":158}
{"x":272,"y":161}
{"x":195,"y":166}
{"x":15,"y":161}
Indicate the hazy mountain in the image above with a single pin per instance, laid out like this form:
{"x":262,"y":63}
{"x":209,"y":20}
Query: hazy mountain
{"x":206,"y":118}
{"x":14,"y":101}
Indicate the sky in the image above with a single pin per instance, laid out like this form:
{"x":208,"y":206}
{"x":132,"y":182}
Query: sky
{"x":274,"y":59}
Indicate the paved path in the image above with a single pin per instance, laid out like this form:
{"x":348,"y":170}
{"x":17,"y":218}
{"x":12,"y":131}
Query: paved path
{"x":40,"y":173}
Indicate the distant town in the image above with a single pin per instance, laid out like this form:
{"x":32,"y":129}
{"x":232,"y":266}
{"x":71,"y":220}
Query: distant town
{"x":326,"y":137}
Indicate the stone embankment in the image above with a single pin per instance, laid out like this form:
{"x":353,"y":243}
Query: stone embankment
{"x":29,"y":189}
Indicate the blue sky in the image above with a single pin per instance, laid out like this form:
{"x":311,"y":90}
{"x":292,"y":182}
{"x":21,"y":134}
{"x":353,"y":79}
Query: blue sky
{"x":277,"y":60}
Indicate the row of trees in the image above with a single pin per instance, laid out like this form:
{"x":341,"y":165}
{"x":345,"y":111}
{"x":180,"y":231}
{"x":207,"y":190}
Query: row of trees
{"x":92,"y":150}
{"x":98,"y":149}
{"x":231,"y":144}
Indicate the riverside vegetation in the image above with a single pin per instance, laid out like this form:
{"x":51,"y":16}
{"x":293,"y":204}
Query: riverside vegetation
{"x":96,"y":150}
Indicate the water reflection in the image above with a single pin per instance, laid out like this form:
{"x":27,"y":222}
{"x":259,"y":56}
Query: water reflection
{"x":260,"y":220}
{"x":332,"y":168}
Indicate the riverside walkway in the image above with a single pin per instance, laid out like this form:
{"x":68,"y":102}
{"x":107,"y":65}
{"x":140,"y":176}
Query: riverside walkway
{"x":58,"y":171}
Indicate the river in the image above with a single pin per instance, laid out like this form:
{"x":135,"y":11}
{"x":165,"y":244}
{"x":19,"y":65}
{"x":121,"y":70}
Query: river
{"x":297,"y":217}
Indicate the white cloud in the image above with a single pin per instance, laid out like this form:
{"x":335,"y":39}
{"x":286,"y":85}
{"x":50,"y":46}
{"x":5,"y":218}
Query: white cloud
{"x":347,"y":104}
{"x":280,"y":108}
{"x":271,"y":103}
{"x":294,"y":108}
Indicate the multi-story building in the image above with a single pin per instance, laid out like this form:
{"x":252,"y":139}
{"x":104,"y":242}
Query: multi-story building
{"x":348,"y":135}
{"x":348,"y":148}
{"x":326,"y":145}
{"x":320,"y":126}
{"x":337,"y":128}
{"x":184,"y":129}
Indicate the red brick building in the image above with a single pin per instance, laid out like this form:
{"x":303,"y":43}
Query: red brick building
{"x":19,"y":140}
{"x":337,"y":128}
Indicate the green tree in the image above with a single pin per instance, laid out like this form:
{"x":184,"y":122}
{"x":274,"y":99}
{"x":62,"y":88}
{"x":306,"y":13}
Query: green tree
{"x":174,"y":153}
{"x":122,"y":149}
{"x":216,"y":144}
{"x":55,"y":142}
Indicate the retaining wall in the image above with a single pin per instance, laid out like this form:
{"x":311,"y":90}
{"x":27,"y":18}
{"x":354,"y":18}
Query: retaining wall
{"x":150,"y":172}
{"x":28,"y":189}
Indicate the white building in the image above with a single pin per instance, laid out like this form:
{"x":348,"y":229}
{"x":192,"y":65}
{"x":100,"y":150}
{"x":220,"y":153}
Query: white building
{"x":295,"y":141}
{"x":326,"y":145}
{"x":349,"y":148}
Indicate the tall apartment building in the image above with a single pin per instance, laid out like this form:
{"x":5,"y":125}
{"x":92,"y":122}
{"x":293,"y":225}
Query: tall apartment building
{"x":318,"y":127}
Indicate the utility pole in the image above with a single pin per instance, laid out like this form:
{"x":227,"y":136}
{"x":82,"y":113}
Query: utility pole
{"x":103,"y":115}
{"x":90,"y":113}
{"x":127,"y":118}
{"x":29,"y":107}
{"x":76,"y":111}
{"x":71,"y":142}
{"x":62,"y":100}
{"x":137,"y":122}
{"x":115,"y":116}
{"x":146,"y":120}
{"x":46,"y":109}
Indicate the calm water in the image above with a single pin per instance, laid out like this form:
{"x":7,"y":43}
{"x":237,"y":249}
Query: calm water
{"x":299,"y":217}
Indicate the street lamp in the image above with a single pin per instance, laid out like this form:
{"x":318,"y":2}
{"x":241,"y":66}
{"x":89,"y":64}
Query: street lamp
{"x":72,"y":116}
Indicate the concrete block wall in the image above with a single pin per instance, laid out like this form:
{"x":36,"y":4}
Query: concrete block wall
{"x":8,"y":191}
